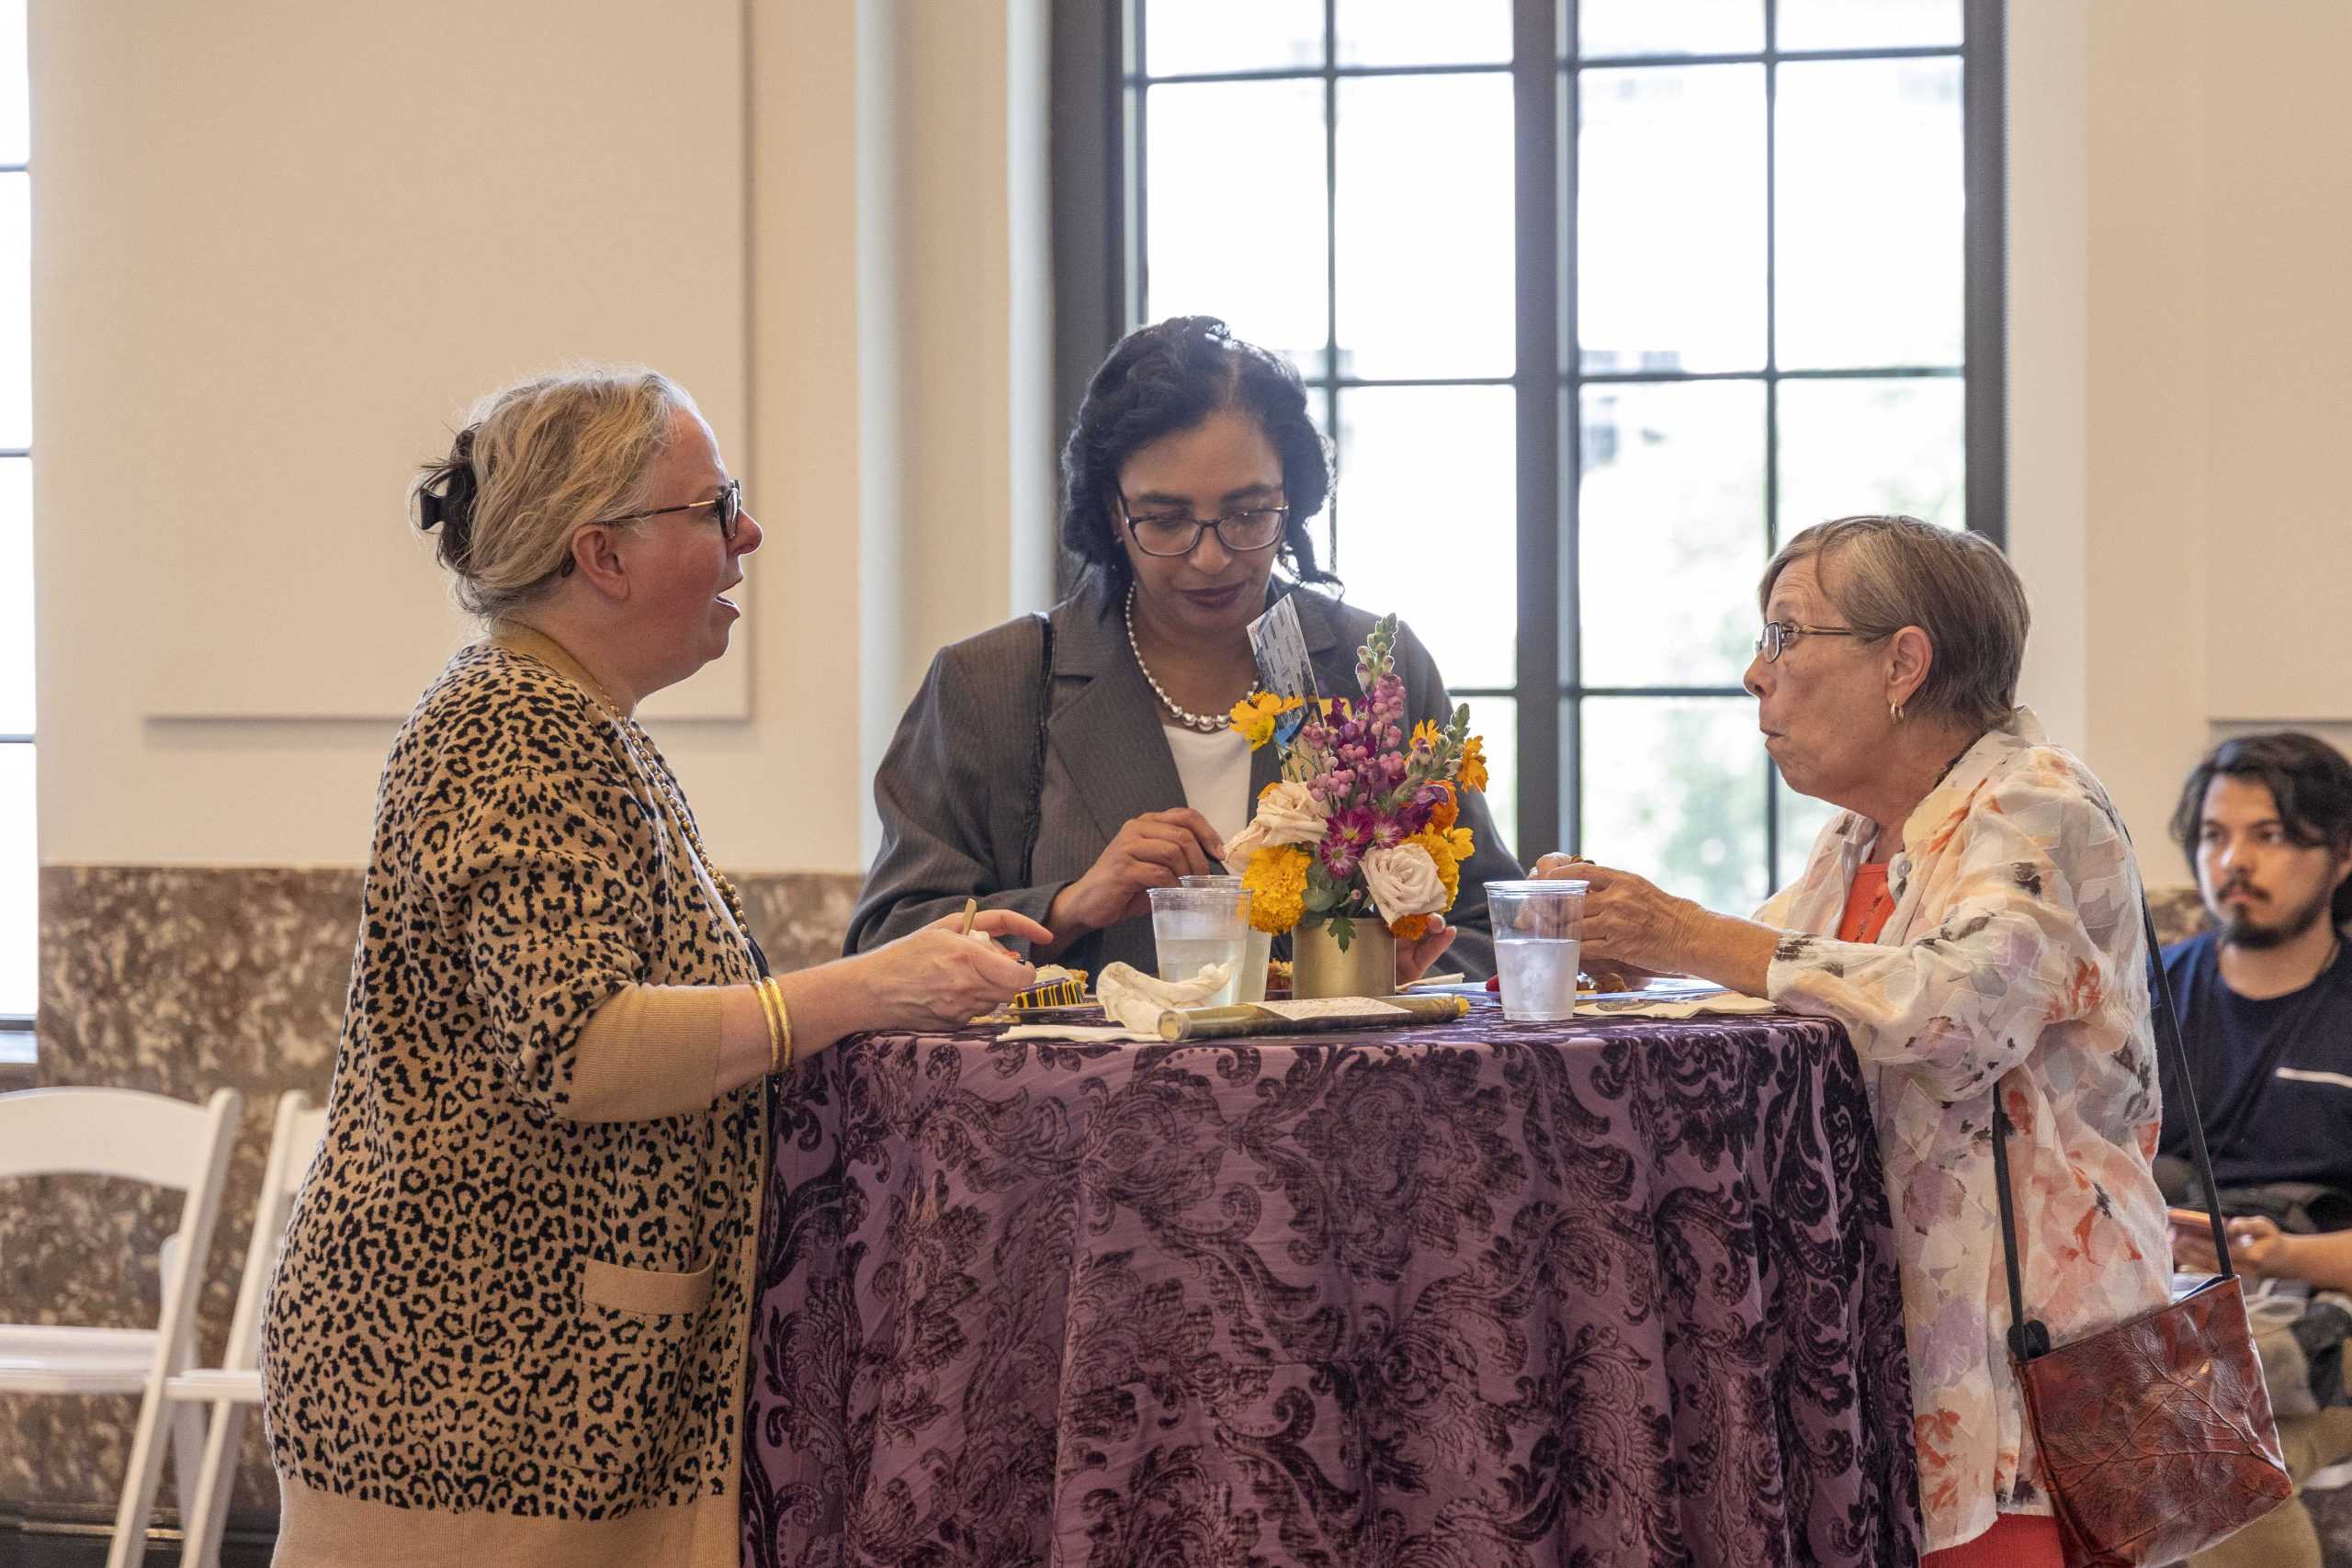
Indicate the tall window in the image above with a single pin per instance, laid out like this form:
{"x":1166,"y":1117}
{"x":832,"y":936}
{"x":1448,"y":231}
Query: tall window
{"x":1598,"y":301}
{"x":18,"y":935}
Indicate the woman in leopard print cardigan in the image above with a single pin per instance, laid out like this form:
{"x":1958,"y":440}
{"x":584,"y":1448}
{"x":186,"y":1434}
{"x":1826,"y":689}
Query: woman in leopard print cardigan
{"x":508,"y":1326}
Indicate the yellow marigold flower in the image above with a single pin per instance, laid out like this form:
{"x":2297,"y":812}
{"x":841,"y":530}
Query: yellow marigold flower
{"x":1473,"y":771}
{"x":1426,"y":733}
{"x":1412,"y":927}
{"x":1276,"y":878}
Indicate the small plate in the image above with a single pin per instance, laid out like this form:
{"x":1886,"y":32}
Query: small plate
{"x":1063,"y":1013}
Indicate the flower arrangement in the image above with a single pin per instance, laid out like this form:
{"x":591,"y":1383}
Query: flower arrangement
{"x":1362,"y":819}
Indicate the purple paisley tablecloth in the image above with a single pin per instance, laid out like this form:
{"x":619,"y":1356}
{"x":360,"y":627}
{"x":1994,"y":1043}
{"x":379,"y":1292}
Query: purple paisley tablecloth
{"x":1489,"y":1293}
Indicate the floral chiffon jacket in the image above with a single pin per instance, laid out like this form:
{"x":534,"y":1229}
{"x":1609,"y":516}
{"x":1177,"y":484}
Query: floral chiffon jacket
{"x":2013,"y":958}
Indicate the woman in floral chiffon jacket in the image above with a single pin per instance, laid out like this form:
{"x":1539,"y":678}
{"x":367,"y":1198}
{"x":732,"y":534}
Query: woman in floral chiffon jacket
{"x":1972,"y":918}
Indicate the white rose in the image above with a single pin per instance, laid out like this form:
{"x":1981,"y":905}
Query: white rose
{"x":1287,"y":814}
{"x":1404,"y":881}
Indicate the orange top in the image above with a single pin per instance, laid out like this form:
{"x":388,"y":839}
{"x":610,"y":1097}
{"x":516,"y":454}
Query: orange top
{"x":1867,"y":904}
{"x":2016,"y":1541}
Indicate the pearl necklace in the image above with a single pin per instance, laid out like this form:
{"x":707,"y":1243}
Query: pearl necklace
{"x":1205,"y":724}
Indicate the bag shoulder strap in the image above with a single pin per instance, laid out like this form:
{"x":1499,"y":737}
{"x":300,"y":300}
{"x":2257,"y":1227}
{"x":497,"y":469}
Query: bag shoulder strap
{"x":2030,"y":1338}
{"x":1032,"y":821}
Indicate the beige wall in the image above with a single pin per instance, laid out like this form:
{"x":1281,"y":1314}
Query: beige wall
{"x":235,"y":286}
{"x":273,"y":264}
{"x":2181,"y":375}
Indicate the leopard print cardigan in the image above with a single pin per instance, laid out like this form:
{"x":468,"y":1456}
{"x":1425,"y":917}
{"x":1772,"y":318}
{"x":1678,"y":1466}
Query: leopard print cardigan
{"x":487,"y":1306}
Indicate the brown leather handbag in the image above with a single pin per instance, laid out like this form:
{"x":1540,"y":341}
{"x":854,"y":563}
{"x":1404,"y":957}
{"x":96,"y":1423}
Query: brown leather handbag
{"x":2156,"y":1434}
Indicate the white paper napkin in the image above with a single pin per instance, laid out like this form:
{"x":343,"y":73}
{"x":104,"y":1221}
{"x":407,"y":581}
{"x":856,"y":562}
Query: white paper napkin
{"x":1702,"y":1004}
{"x":1080,"y":1033}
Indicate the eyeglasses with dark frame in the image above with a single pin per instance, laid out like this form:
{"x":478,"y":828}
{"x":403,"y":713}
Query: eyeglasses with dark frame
{"x":726,"y":509}
{"x":1245,"y":531}
{"x":1776,"y":637}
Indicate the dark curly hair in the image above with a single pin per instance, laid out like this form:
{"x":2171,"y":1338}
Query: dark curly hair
{"x":1169,"y":377}
{"x":2310,"y":781}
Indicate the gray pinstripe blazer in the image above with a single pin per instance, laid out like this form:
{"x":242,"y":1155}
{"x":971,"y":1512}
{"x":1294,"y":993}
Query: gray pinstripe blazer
{"x":953,"y":789}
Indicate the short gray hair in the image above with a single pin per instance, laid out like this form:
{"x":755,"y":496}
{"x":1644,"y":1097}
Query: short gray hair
{"x":534,"y":461}
{"x":1958,"y":588}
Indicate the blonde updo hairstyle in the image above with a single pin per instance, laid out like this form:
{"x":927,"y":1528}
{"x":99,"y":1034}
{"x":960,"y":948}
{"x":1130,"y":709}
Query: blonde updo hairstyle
{"x":535,"y":462}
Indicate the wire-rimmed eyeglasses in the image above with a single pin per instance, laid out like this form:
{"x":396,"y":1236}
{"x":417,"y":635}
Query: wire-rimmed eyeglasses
{"x":1244,"y":531}
{"x":1776,"y":637}
{"x":726,"y":510}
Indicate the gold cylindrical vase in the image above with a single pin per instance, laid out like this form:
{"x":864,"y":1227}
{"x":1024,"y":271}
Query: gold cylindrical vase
{"x":1368,"y":968}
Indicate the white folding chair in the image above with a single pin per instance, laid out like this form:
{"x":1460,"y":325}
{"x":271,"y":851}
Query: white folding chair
{"x":163,"y":1143}
{"x":235,"y":1383}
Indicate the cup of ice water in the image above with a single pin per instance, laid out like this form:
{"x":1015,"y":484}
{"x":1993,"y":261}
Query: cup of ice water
{"x":1538,"y":943}
{"x":1254,"y":952}
{"x":1194,"y":927}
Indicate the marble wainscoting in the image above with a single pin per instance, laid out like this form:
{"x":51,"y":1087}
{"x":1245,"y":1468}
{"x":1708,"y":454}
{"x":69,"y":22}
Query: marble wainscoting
{"x":181,"y":980}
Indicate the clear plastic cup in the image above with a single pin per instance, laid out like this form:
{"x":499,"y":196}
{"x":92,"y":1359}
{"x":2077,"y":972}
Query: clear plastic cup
{"x":1258,"y":949}
{"x":1538,"y":943}
{"x":1193,"y":927}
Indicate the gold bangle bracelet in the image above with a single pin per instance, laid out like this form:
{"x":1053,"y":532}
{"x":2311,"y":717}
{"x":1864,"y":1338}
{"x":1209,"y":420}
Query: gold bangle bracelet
{"x":784,"y":1015}
{"x":768,"y":1011}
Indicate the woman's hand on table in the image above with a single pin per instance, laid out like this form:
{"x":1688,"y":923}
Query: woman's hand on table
{"x":1154,"y":849}
{"x":938,"y":978}
{"x":1414,"y":958}
{"x":1632,"y":924}
{"x":1608,"y":977}
{"x":1628,"y":921}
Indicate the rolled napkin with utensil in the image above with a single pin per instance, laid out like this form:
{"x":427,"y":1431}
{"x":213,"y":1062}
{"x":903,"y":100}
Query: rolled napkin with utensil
{"x":1328,"y":1016}
{"x":1136,"y":1000}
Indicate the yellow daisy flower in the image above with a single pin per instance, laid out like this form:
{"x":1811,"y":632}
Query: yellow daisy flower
{"x":1254,"y":716}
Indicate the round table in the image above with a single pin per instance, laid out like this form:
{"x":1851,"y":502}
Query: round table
{"x":1606,"y":1291}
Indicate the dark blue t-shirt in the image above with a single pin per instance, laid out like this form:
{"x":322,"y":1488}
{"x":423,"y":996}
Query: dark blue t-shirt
{"x":2299,"y":1129}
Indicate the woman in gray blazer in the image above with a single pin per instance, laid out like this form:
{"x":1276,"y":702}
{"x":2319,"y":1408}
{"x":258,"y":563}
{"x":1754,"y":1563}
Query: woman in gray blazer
{"x":1063,"y":765}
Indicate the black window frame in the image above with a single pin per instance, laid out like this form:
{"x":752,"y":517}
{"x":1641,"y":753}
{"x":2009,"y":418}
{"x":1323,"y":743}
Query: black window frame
{"x":1099,"y":258}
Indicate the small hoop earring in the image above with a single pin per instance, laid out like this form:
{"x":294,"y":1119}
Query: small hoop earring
{"x":1894,"y":712}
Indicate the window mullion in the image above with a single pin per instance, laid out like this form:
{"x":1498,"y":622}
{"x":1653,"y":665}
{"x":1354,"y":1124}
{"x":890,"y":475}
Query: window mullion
{"x":1331,"y":249}
{"x":1771,"y":378}
{"x":1543,"y":533}
{"x":1983,"y":118}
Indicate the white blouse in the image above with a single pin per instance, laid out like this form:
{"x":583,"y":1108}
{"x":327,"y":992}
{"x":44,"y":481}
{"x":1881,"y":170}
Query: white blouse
{"x":1215,"y":773}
